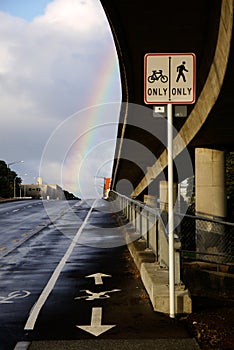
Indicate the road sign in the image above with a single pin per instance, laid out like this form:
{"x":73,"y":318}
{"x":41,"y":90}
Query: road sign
{"x":169,"y":78}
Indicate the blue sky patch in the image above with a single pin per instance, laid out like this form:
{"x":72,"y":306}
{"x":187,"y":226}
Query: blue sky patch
{"x":26,"y":9}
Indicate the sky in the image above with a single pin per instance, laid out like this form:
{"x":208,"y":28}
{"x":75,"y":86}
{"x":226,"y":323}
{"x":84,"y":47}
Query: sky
{"x":60,"y":92}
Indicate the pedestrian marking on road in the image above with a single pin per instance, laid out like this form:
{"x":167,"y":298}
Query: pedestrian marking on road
{"x":95,"y":295}
{"x":96,"y":328}
{"x":50,"y":285}
{"x":98,"y":277}
{"x":17,"y":294}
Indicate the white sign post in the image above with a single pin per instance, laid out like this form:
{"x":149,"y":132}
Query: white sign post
{"x":170,"y":79}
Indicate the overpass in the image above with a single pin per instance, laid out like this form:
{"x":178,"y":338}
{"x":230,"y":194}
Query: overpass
{"x":200,"y":140}
{"x":205,"y":29}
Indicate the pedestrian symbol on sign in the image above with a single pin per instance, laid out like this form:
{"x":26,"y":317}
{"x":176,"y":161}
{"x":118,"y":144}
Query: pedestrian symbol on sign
{"x":181,"y":69}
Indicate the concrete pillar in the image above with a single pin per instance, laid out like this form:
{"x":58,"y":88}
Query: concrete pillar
{"x":150,"y":200}
{"x":210,"y":202}
{"x":210,"y":183}
{"x":163,"y":190}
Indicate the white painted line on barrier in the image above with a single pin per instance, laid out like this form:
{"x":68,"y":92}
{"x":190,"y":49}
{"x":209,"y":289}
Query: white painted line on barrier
{"x":50,"y":285}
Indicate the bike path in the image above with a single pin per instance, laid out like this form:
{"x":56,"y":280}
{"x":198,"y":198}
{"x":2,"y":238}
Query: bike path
{"x":98,"y":300}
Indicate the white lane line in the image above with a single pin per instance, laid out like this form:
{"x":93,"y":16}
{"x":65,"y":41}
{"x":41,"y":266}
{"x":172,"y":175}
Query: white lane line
{"x":50,"y":285}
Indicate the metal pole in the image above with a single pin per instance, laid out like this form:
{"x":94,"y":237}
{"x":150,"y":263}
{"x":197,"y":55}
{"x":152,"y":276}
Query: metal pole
{"x":15,"y":186}
{"x":170,"y":211}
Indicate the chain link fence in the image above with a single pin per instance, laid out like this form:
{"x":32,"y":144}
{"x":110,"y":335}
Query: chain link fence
{"x":206,"y":240}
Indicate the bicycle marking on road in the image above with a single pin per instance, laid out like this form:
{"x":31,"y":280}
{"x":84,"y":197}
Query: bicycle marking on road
{"x":94,"y":295}
{"x":17,"y":294}
{"x":96,"y":328}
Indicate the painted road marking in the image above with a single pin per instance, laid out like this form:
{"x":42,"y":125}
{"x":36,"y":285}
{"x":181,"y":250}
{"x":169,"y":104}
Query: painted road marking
{"x":18,"y":294}
{"x":98,"y":277}
{"x":50,"y":285}
{"x":94,"y":295}
{"x":96,"y":328}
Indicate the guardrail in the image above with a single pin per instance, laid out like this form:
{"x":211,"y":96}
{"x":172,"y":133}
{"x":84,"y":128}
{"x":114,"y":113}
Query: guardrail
{"x":150,"y":223}
{"x":197,"y":238}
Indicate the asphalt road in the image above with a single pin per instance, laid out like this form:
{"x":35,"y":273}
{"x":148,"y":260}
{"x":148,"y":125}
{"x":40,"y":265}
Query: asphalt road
{"x":20,"y":220}
{"x":73,"y":279}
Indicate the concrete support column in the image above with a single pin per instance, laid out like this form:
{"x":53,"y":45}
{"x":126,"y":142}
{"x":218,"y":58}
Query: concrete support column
{"x":210,"y":183}
{"x":163,"y":193}
{"x":150,"y":200}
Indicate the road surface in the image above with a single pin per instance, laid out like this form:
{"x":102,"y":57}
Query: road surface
{"x":73,"y":280}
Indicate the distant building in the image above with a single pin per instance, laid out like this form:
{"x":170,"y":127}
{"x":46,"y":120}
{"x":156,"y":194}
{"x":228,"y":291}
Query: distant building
{"x":42,"y":191}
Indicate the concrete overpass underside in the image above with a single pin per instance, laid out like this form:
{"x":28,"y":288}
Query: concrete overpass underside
{"x":166,"y":26}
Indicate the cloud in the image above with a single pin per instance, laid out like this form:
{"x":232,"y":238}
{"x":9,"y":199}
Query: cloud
{"x":82,"y":16}
{"x":49,"y":69}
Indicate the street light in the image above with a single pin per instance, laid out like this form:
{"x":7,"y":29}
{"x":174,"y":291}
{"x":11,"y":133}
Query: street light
{"x":15,"y":162}
{"x":8,"y":173}
{"x":15,"y":183}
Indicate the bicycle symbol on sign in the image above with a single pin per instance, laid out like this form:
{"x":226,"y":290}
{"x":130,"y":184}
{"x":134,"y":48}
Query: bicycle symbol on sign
{"x":157,"y":75}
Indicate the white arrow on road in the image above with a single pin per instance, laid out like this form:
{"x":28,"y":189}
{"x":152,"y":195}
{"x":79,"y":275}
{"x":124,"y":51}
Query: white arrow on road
{"x":98,"y":277}
{"x":96,"y":328}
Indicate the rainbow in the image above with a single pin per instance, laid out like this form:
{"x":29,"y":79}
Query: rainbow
{"x":105,"y":89}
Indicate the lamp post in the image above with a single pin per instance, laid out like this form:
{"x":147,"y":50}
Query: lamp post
{"x":8,"y":173}
{"x":15,"y":184}
{"x":15,"y":162}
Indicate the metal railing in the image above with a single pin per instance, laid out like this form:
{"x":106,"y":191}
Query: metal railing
{"x":196,"y":238}
{"x":150,"y":224}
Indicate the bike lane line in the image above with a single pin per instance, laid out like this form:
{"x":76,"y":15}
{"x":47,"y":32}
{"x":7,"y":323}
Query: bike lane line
{"x":52,"y":281}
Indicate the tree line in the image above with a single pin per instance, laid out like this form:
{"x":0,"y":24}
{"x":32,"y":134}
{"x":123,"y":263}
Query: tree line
{"x":9,"y":181}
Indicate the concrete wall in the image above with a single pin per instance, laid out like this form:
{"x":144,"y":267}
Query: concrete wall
{"x":210,"y":188}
